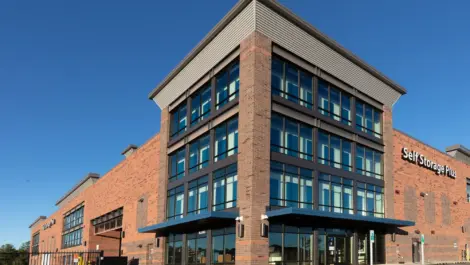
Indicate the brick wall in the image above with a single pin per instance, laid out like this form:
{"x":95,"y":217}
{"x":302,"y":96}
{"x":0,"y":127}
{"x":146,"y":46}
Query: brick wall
{"x":436,"y":215}
{"x":133,"y":179}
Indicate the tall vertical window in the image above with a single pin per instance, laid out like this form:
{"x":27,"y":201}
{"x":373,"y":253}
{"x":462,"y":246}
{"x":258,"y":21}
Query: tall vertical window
{"x":369,"y":162}
{"x":468,"y":190}
{"x":72,"y":229}
{"x":334,"y":151}
{"x":291,"y":186}
{"x":291,"y":83}
{"x":72,"y":239}
{"x":334,"y":103}
{"x":225,"y":188}
{"x":291,"y":137}
{"x":74,"y":219}
{"x":178,"y":121}
{"x":174,"y":249}
{"x":201,"y":104}
{"x":290,"y":245}
{"x":175,"y":203}
{"x":368,"y":119}
{"x":335,"y":194}
{"x":196,"y":251}
{"x":177,"y":164}
{"x":370,"y":200}
{"x":227,"y":85}
{"x":199,"y":153}
{"x":223,"y":246}
{"x":226,"y":139}
{"x":35,"y":244}
{"x":198,"y":196}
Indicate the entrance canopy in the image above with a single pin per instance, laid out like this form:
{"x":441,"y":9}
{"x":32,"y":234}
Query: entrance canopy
{"x":297,"y":216}
{"x":192,"y":223}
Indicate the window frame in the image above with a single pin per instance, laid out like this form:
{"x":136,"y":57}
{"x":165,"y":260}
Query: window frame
{"x":201,"y":91}
{"x":223,"y":232}
{"x":230,"y":96}
{"x":178,"y":175}
{"x":173,"y":193}
{"x":281,"y":168}
{"x":74,"y":218}
{"x":363,"y":171}
{"x":173,"y":239}
{"x":366,"y":190}
{"x":176,"y":111}
{"x":200,"y":164}
{"x":196,"y":185}
{"x":283,"y":91}
{"x":363,"y":128}
{"x":72,"y":239}
{"x":228,"y":171}
{"x":285,"y":150}
{"x":331,"y":180}
{"x":330,"y":162}
{"x":282,"y":230}
{"x":196,"y":237}
{"x":328,"y":112}
{"x":224,"y":155}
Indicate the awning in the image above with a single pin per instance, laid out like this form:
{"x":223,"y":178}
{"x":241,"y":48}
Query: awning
{"x":192,"y":223}
{"x":330,"y":219}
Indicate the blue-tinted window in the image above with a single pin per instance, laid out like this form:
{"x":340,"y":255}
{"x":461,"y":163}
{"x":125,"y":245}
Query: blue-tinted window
{"x":178,"y":121}
{"x":226,"y":139}
{"x":196,"y":251}
{"x":73,"y":219}
{"x":369,"y":162}
{"x":335,"y":194}
{"x":198,"y":193}
{"x":370,"y":200}
{"x":334,"y":151}
{"x":368,"y":119}
{"x":291,"y":83}
{"x":225,"y":188}
{"x":291,"y":137}
{"x":223,"y":246}
{"x":199,"y":153}
{"x":290,"y":245}
{"x":175,"y":203}
{"x":291,"y":186}
{"x":227,"y":85}
{"x":174,"y":249}
{"x":177,"y":164}
{"x":334,"y":103}
{"x":201,"y":104}
{"x":72,"y":239}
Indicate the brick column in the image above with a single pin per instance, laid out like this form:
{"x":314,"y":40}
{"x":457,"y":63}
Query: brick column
{"x":253,"y":145}
{"x":389,"y":192}
{"x":162,"y":182}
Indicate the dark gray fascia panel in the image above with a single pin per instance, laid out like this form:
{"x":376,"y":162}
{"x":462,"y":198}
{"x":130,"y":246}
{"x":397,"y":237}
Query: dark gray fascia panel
{"x":39,"y":218}
{"x":87,"y":177}
{"x":458,"y":147}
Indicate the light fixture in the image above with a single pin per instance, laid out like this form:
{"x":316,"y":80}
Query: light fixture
{"x":423,"y":194}
{"x":394,"y":237}
{"x":264,"y":230}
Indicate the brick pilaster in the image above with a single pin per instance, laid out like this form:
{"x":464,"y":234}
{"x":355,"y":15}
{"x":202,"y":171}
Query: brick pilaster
{"x":254,"y":140}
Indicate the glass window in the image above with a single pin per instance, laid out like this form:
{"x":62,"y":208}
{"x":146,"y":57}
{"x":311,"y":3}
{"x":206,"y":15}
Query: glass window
{"x":333,"y":102}
{"x":35,"y":244}
{"x":223,"y":246}
{"x":72,"y":239}
{"x":291,"y":186}
{"x":290,"y":245}
{"x":335,"y":194}
{"x":201,"y":104}
{"x":370,"y":200}
{"x":291,"y":137}
{"x":334,"y":151}
{"x":198,"y":196}
{"x":174,"y":249}
{"x":227,"y":85}
{"x":175,"y":203}
{"x":199,"y":153}
{"x":292,"y":83}
{"x":178,"y":121}
{"x":177,"y":164}
{"x":368,"y":119}
{"x":73,"y":219}
{"x":226,"y":139}
{"x":225,"y":188}
{"x":369,"y":162}
{"x":196,"y":251}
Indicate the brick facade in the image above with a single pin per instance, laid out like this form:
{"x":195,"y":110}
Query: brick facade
{"x":439,"y":215}
{"x":132,"y":180}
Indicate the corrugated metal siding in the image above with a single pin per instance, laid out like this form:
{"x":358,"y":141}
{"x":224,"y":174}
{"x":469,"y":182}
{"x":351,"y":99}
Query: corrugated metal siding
{"x":225,"y":42}
{"x":299,"y":42}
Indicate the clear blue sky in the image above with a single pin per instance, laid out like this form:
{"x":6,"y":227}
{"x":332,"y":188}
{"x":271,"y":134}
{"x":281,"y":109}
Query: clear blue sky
{"x":74,"y":79}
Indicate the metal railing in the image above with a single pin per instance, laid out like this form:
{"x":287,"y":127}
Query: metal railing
{"x":51,"y":258}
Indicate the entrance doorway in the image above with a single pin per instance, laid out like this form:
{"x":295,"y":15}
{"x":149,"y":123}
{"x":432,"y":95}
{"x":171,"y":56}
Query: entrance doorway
{"x":335,"y":247}
{"x":416,"y":250}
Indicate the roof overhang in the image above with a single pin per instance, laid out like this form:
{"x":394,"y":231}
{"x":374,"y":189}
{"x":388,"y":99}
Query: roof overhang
{"x":192,"y":223}
{"x":289,"y":31}
{"x":40,"y":218}
{"x":299,"y":216}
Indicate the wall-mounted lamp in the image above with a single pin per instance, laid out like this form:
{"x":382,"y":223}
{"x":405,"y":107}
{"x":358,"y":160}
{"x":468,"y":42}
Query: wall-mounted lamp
{"x":123,"y":234}
{"x":423,"y":194}
{"x":240,"y":226}
{"x":158,"y":242}
{"x":264,"y":230}
{"x":464,"y":229}
{"x":394,"y":237}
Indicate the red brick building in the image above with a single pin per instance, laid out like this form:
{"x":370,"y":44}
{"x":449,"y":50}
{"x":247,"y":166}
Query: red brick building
{"x":276,"y":147}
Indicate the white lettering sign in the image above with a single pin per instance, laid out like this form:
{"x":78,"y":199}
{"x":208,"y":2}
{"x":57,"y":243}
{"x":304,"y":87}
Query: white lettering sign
{"x":421,"y":160}
{"x":48,"y":224}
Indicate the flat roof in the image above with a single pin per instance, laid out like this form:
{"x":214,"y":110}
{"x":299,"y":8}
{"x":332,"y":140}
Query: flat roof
{"x":293,"y":18}
{"x":42,"y":217}
{"x":87,"y":177}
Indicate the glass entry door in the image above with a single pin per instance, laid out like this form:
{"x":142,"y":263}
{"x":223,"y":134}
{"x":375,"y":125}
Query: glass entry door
{"x":336,"y":247}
